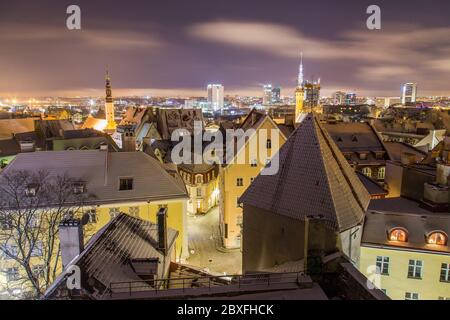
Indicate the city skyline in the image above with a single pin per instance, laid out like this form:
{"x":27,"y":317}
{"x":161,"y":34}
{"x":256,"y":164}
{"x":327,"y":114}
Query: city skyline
{"x":157,"y":50}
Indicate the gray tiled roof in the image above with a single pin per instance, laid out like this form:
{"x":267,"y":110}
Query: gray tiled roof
{"x":101,"y":171}
{"x":417,"y":224}
{"x":108,"y":255}
{"x":314,"y":180}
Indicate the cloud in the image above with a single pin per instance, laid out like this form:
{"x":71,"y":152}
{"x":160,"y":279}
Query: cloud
{"x":94,"y":38}
{"x":396,"y":50}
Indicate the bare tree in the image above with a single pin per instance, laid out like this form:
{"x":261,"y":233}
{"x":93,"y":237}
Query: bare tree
{"x":32,"y":205}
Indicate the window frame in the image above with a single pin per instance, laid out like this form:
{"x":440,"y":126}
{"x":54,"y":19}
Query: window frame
{"x":126,"y":184}
{"x":414,"y":269}
{"x":382,"y":262}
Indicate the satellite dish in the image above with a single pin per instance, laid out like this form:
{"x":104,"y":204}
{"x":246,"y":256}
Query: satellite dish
{"x":85,"y":219}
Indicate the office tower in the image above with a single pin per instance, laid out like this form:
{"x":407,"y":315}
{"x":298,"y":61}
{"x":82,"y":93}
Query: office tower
{"x":276,"y":95}
{"x":409,"y":91}
{"x":339,"y":98}
{"x":312,"y":93}
{"x":350,"y":98}
{"x":299,"y":91}
{"x":267,"y":94}
{"x":215,"y":96}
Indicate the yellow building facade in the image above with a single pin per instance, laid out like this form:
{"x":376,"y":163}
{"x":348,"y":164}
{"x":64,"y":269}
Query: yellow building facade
{"x":236,"y":177}
{"x":99,"y":216}
{"x":396,"y":283}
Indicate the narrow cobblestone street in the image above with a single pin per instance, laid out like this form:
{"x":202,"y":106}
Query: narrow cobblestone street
{"x":204,"y":241}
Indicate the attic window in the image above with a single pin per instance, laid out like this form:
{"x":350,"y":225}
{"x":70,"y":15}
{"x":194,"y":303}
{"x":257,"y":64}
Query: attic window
{"x":126,"y":184}
{"x":339,"y":139}
{"x":31,"y":190}
{"x":78,"y":187}
{"x":398,"y":234}
{"x":437,"y":238}
{"x":354,"y":138}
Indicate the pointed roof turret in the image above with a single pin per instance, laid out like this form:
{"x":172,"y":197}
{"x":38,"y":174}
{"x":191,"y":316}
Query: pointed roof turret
{"x":313,"y":181}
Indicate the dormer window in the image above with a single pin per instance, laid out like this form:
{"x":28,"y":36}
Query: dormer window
{"x":398,"y":234}
{"x":31,"y":190}
{"x":78,"y":187}
{"x":126,"y":184}
{"x":437,"y":238}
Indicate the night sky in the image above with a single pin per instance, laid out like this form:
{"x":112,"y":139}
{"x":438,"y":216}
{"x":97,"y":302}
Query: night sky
{"x":176,"y":48}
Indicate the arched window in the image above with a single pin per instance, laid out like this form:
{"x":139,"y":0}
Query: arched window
{"x":199,"y":179}
{"x":398,"y":234}
{"x":437,"y":238}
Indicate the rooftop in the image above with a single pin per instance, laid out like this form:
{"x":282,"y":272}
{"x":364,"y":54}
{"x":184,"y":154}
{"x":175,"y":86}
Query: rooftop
{"x":418,"y":225}
{"x":101,"y":171}
{"x":313,"y":180}
{"x":109,"y":254}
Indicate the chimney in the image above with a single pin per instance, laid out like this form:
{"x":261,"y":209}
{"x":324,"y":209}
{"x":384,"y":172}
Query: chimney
{"x":71,"y":240}
{"x":408,"y":158}
{"x":162,"y":229}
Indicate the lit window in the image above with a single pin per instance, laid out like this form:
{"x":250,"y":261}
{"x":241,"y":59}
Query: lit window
{"x":411,"y":296}
{"x":199,"y":179}
{"x":38,"y":270}
{"x":134,"y":211}
{"x":398,"y":235}
{"x":381,"y":173}
{"x":92,"y":215}
{"x":37,"y":249}
{"x":114,"y":212}
{"x":12,"y":274}
{"x":437,"y":238}
{"x":367,"y":171}
{"x":239,"y":182}
{"x":383,"y":265}
{"x":415,"y":269}
{"x":126,"y":184}
{"x":445,"y":272}
{"x":239,"y":220}
{"x":6,"y":222}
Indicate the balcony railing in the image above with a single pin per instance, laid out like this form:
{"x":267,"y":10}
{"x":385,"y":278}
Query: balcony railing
{"x":206,"y":285}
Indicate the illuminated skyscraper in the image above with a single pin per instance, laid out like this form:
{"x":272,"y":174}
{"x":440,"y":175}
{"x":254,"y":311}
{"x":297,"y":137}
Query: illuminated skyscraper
{"x":339,"y":98}
{"x":312,"y":94}
{"x":409,"y":91}
{"x":215,"y":96}
{"x":109,"y":106}
{"x":299,"y":91}
{"x":350,"y":98}
{"x":276,"y":95}
{"x":267,"y":94}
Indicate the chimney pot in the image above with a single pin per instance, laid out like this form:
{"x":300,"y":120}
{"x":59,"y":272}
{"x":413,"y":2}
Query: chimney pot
{"x":162,"y":229}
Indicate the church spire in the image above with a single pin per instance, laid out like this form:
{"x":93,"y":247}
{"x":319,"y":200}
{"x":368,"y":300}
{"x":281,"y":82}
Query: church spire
{"x":108,"y":87}
{"x":300,"y":71}
{"x":109,"y":105}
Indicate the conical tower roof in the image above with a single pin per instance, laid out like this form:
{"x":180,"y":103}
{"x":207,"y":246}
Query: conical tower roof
{"x":314,"y":180}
